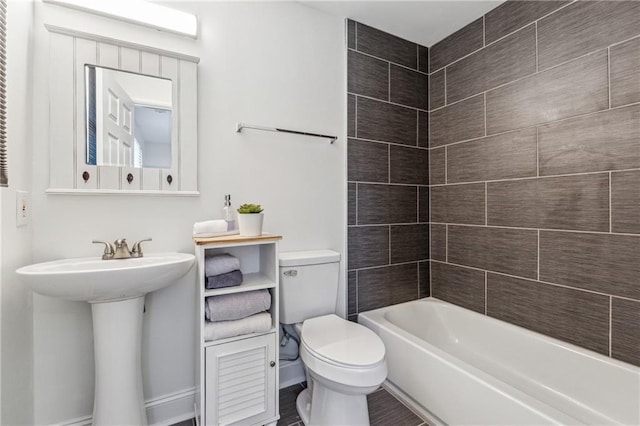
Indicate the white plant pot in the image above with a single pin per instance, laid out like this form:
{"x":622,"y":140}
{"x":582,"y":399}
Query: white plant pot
{"x":250,"y":224}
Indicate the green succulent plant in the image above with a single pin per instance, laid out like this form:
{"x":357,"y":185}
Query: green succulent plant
{"x":250,"y":208}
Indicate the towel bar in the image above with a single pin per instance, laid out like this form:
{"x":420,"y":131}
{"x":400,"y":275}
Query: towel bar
{"x":241,"y":126}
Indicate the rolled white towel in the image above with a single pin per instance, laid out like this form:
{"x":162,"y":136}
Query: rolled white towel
{"x":220,"y":264}
{"x":258,"y":323}
{"x":237,"y":305}
{"x":209,"y":228}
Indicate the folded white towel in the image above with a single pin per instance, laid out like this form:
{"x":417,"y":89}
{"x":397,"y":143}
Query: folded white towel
{"x":220,"y":264}
{"x":258,"y":323}
{"x":209,"y":228}
{"x":237,"y":305}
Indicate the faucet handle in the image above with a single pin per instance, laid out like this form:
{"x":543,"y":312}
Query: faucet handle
{"x":136,"y":250}
{"x":108,"y":249}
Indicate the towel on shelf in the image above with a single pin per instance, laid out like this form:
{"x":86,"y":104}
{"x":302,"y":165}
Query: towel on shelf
{"x":237,"y":305}
{"x":258,"y":323}
{"x":230,"y":279}
{"x":220,"y":264}
{"x":209,"y":228}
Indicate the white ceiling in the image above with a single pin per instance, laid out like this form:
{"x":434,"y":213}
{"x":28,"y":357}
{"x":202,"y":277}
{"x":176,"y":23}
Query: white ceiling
{"x":424,"y":22}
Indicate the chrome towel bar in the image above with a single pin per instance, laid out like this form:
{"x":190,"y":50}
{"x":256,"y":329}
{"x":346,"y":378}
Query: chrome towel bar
{"x":241,"y":126}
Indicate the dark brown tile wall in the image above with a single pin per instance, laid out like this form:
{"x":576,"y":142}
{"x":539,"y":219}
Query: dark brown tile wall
{"x":567,"y":202}
{"x":457,"y":122}
{"x":505,"y":156}
{"x":387,"y":169}
{"x":583,"y":27}
{"x":502,"y":62}
{"x":535,"y":170}
{"x":625,"y":202}
{"x":606,"y":263}
{"x":577,"y":87}
{"x":455,"y":284}
{"x":457,"y":45}
{"x":606,"y":140}
{"x":625,"y":73}
{"x":514,"y":14}
{"x":567,"y":314}
{"x":458,"y":204}
{"x":625,"y":340}
{"x":512,"y":251}
{"x":378,"y":287}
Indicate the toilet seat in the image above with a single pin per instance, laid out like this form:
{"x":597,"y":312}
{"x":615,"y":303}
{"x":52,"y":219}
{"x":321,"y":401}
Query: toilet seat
{"x":342,"y":351}
{"x":342,"y":342}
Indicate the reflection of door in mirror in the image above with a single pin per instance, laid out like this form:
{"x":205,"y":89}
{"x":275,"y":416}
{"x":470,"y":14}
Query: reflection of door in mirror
{"x":114,"y":111}
{"x":128,"y":119}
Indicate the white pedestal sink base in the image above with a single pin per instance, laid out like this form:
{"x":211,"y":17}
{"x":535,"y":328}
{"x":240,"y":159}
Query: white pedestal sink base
{"x":117,"y":336}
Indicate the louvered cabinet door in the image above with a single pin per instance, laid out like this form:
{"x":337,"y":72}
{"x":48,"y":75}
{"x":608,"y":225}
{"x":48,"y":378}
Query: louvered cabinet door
{"x":241,"y":382}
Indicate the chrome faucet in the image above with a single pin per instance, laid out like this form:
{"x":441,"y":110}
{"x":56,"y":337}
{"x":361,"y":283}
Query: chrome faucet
{"x":120,"y":249}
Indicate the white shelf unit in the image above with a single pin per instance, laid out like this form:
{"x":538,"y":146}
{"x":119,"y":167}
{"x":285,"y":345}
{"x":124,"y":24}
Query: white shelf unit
{"x":237,"y":377}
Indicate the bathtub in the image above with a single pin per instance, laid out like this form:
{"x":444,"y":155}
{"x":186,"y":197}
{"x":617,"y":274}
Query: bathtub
{"x":460,"y":367}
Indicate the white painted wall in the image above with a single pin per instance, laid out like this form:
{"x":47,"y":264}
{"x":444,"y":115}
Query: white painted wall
{"x":269,"y":63}
{"x":16,"y":243}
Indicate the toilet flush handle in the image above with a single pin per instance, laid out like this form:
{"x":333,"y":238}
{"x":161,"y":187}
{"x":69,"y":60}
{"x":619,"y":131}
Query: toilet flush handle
{"x":291,"y":273}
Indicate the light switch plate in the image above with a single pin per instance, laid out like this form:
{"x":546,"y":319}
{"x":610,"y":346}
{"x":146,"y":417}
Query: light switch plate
{"x":23,"y":208}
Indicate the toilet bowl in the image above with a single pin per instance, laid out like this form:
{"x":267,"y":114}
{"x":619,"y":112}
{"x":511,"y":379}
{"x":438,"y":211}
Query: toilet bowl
{"x":344,"y":361}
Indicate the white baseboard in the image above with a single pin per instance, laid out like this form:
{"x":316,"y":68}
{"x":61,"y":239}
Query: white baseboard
{"x":164,"y":410}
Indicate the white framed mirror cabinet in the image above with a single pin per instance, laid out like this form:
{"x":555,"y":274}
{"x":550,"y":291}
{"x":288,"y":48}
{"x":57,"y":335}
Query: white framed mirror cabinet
{"x":122,"y":116}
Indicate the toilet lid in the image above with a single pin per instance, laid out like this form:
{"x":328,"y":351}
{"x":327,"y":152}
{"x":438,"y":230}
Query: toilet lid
{"x":342,"y":342}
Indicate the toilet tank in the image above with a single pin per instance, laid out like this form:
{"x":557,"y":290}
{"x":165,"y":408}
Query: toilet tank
{"x":308,"y":284}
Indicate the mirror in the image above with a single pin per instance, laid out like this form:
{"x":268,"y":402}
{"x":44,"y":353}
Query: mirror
{"x":128,"y":118}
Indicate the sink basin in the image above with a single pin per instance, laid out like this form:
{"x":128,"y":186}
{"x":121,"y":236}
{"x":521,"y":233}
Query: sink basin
{"x":116,"y":290}
{"x":91,"y":279}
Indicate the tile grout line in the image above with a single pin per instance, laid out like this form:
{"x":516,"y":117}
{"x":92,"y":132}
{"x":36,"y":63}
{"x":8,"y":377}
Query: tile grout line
{"x":609,"y":76}
{"x":357,"y":301}
{"x":389,"y":143}
{"x":537,"y":62}
{"x":486,"y":205}
{"x":485,"y":114}
{"x":610,"y":324}
{"x":610,"y":206}
{"x":518,"y":129}
{"x":585,"y":290}
{"x":567,"y":175}
{"x":387,"y":102}
{"x":369,"y":55}
{"x":528,"y":228}
{"x":485,"y":291}
{"x":444,"y":73}
{"x":538,"y":262}
{"x":446,"y":243}
{"x":446,"y":169}
{"x":537,"y":151}
{"x":389,"y":82}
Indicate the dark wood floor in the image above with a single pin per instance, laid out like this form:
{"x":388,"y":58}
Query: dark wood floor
{"x":384,"y":409}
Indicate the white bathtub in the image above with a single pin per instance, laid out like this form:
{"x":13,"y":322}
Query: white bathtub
{"x":462,"y":367}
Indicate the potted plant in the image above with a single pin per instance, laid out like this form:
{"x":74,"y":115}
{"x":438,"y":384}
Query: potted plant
{"x":250,"y":220}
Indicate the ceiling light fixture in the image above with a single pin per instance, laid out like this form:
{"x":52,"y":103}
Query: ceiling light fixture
{"x":139,"y":12}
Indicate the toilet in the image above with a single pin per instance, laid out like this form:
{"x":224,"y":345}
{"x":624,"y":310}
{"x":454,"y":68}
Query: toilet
{"x":344,"y":361}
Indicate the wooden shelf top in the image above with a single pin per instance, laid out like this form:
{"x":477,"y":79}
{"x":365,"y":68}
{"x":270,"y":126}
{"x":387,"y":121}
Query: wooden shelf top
{"x":226,"y":239}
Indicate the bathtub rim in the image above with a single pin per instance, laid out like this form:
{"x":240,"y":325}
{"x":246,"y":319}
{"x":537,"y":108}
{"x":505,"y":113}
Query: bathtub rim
{"x":376,"y":320}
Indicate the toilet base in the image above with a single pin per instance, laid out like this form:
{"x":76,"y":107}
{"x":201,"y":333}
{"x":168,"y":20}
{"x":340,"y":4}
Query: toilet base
{"x":328,"y":407}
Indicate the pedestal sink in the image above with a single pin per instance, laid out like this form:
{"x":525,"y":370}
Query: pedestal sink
{"x":115,"y":289}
